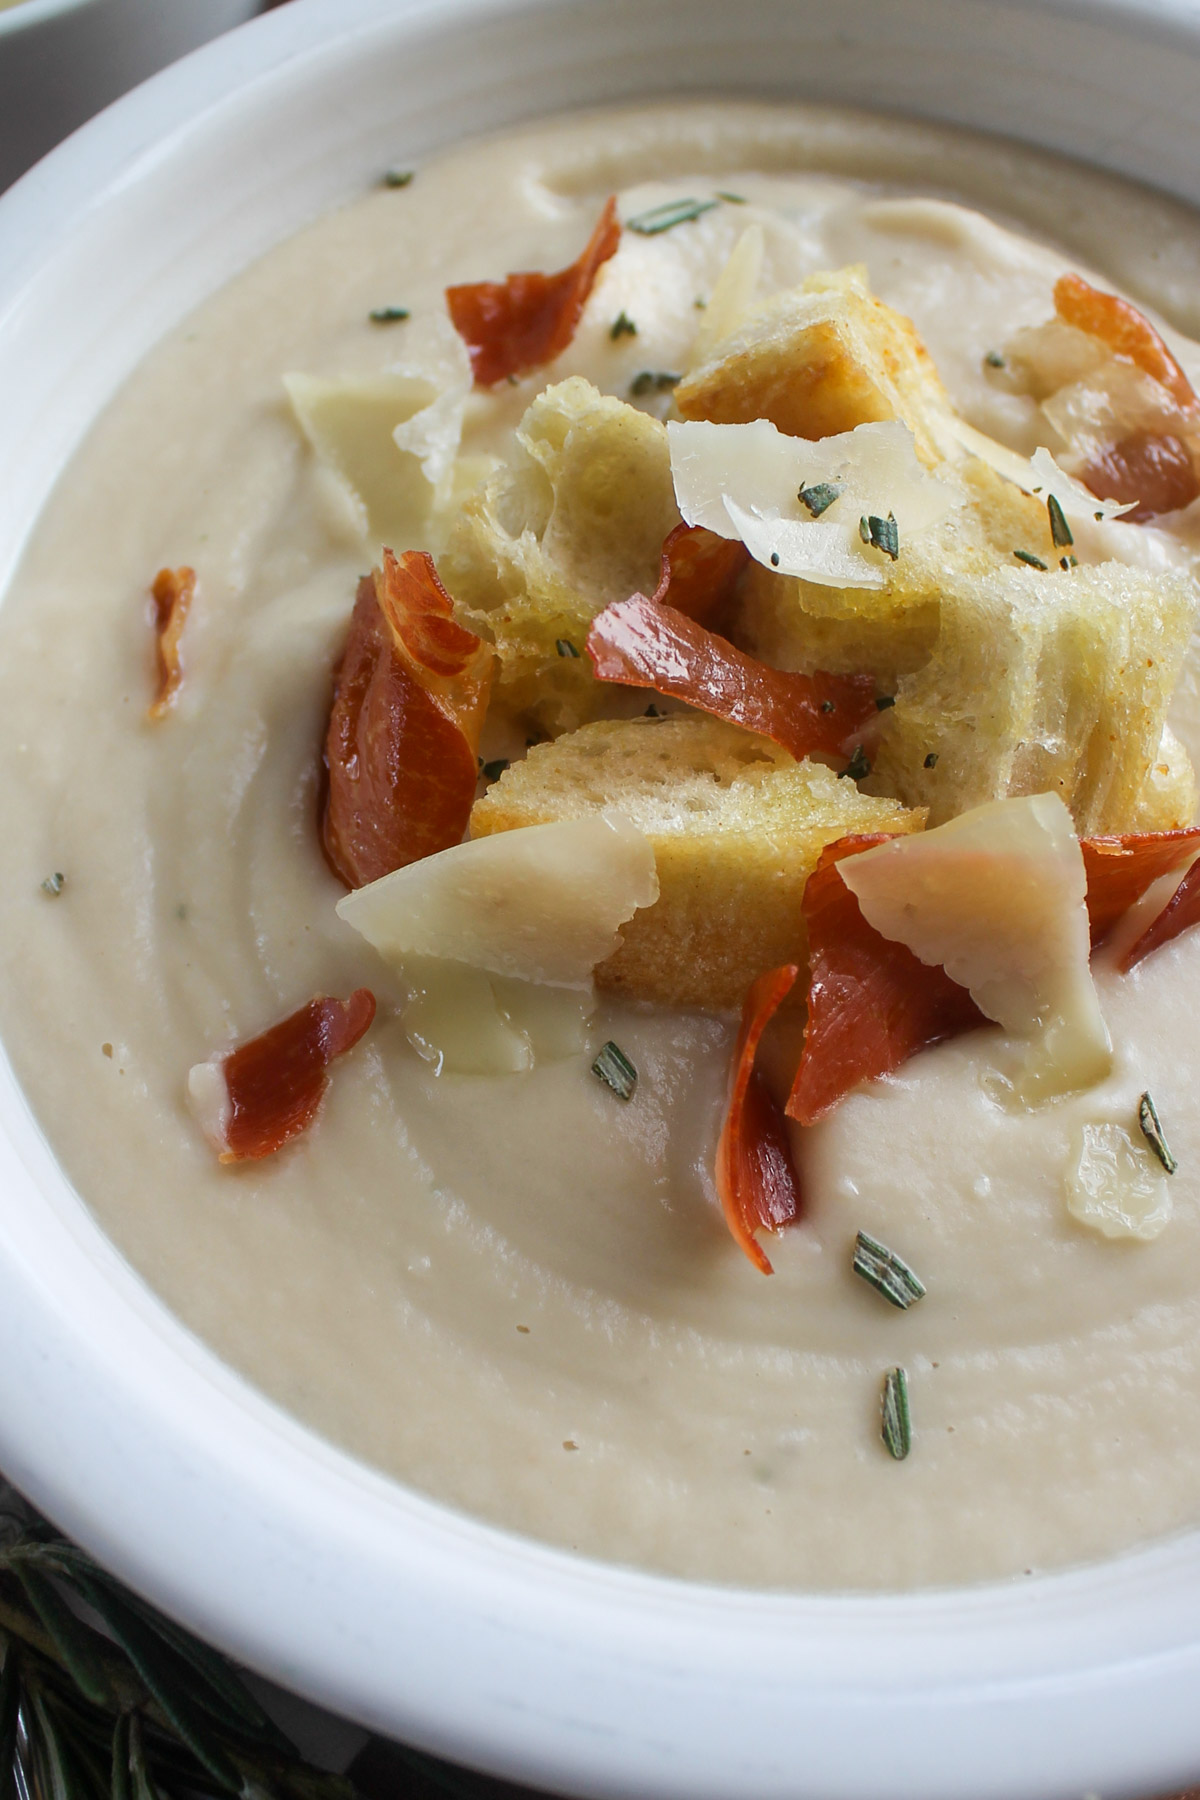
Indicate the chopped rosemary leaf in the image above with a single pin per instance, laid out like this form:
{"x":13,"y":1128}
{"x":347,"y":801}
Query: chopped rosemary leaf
{"x":1152,"y":1131}
{"x":565,"y":647}
{"x":654,"y":381}
{"x":54,"y":884}
{"x":388,"y":315}
{"x":1060,"y":531}
{"x":1068,"y":562}
{"x":888,"y":1273}
{"x":896,"y":1422}
{"x":1027,"y":556}
{"x":819,"y":497}
{"x":616,"y":1071}
{"x":828,"y":706}
{"x":492,"y":771}
{"x":858,"y":768}
{"x":622,"y":326}
{"x":881,"y":534}
{"x":733,"y":199}
{"x":883,"y":701}
{"x":774,"y":559}
{"x":931,"y":760}
{"x":398,"y":177}
{"x":669,"y":214}
{"x":994,"y":360}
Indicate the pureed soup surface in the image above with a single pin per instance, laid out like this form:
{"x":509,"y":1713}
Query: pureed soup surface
{"x":514,"y":1292}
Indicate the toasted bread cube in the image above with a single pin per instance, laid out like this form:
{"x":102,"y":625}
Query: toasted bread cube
{"x":1169,"y":796}
{"x":575,"y":520}
{"x":1040,"y":682}
{"x":737,"y":826}
{"x":818,"y":360}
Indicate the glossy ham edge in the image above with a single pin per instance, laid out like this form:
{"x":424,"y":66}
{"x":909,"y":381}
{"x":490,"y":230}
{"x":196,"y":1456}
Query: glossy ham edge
{"x":756,"y":1179}
{"x":699,"y":571}
{"x":172,"y":592}
{"x":871,"y":1003}
{"x":640,"y":642}
{"x":513,"y":326}
{"x":1181,"y":912}
{"x":1127,"y":332}
{"x":266,"y":1092}
{"x":410,"y":695}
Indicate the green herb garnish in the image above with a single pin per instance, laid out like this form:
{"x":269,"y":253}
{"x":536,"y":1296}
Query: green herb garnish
{"x":931,"y":760}
{"x":54,"y":884}
{"x":1027,"y":556}
{"x":622,"y":326}
{"x":492,"y":771}
{"x":819,"y":497}
{"x":888,"y":1273}
{"x":388,"y":315}
{"x":1152,"y":1131}
{"x":883,"y":701}
{"x":616,"y":1071}
{"x":733,"y":199}
{"x":881,"y":534}
{"x":654,"y":381}
{"x":668,"y":215}
{"x":858,"y":768}
{"x":896,"y":1421}
{"x":398,"y":177}
{"x":774,"y":559}
{"x":994,"y":360}
{"x":565,"y":647}
{"x":1060,"y":531}
{"x":828,"y":706}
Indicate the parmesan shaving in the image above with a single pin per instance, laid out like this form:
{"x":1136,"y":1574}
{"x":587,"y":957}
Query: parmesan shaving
{"x":744,"y":481}
{"x":732,"y":294}
{"x":1037,"y":474}
{"x":208,"y":1098}
{"x":998,"y":897}
{"x":1115,"y":1187}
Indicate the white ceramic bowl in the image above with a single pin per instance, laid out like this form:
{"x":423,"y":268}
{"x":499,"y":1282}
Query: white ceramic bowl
{"x":310,"y":1567}
{"x":62,"y":60}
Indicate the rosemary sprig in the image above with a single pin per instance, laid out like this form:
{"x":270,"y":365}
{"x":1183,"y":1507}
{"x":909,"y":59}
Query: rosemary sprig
{"x":887,"y":1273}
{"x":819,"y":497}
{"x":1152,"y":1131}
{"x":1060,"y":531}
{"x":859,"y":766}
{"x":880,"y":534}
{"x":388,"y":315}
{"x":622,"y":326}
{"x":1027,"y":556}
{"x":565,"y":647}
{"x":654,"y":381}
{"x":668,"y":215}
{"x":616,"y":1071}
{"x":895,"y":1420}
{"x":54,"y":884}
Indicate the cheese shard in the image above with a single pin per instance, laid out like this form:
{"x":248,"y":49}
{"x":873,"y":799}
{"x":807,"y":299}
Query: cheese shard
{"x":746,"y":480}
{"x":998,"y":898}
{"x":1115,"y":1187}
{"x":541,"y":904}
{"x":1038,"y":474}
{"x":466,"y":1022}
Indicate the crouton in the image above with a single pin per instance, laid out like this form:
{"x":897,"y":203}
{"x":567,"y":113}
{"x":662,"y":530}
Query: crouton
{"x":736,"y":824}
{"x":575,"y":520}
{"x":820,"y":359}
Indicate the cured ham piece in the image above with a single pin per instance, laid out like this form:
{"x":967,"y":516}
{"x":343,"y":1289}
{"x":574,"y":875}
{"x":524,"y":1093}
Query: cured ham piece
{"x":1121,"y":869}
{"x":756,"y":1179}
{"x":525,"y":321}
{"x":1181,"y":912}
{"x":1126,"y":331}
{"x":1152,"y":471}
{"x":258,"y":1097}
{"x":699,"y":571}
{"x":642,"y":643}
{"x":409,"y":699}
{"x":871,"y":1003}
{"x":173,"y":592}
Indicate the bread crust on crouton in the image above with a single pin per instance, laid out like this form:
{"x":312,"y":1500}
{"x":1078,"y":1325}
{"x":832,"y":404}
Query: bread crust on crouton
{"x":736,"y":824}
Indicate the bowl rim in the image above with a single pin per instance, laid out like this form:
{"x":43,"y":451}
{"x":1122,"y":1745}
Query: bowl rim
{"x":253,"y":1530}
{"x":27,"y":13}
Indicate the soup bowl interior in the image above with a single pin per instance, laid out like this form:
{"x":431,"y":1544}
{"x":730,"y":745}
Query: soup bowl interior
{"x":126,"y":1430}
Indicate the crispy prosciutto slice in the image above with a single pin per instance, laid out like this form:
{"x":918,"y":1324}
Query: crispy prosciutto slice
{"x":173,"y":592}
{"x":871,"y":1003}
{"x":756,"y":1179}
{"x":1126,"y":331}
{"x":525,"y":321}
{"x":1150,"y":471}
{"x":642,"y":643}
{"x":1181,"y":912}
{"x":400,"y":751}
{"x":258,"y":1097}
{"x":699,"y":571}
{"x":1120,"y":869}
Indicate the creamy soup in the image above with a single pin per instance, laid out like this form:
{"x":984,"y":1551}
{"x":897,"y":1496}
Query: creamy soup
{"x":516,"y":1293}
